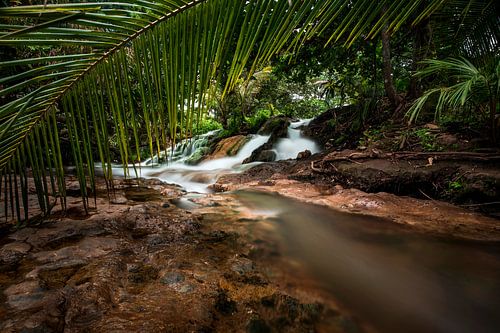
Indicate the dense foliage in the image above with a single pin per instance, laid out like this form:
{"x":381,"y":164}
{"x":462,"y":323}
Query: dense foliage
{"x":114,"y":81}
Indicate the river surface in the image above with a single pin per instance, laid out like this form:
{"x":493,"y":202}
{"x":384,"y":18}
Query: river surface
{"x":390,"y":277}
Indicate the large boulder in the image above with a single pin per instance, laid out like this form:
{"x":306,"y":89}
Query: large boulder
{"x":330,"y":125}
{"x":277,"y":128}
{"x":228,"y":147}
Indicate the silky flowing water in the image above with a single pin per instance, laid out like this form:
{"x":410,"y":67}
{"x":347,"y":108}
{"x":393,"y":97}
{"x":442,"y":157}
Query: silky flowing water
{"x":162,"y":261}
{"x":196,"y":178}
{"x":393,"y":279}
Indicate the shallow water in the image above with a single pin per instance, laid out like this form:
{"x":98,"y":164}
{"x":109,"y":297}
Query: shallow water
{"x":389,"y":277}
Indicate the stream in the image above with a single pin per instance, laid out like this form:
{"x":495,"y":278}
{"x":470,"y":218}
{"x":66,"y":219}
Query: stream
{"x":164,"y":259}
{"x":196,"y":178}
{"x":391,"y":277}
{"x":395,"y":279}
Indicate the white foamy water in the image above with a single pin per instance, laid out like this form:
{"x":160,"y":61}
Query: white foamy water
{"x":196,"y":178}
{"x":287,"y":148}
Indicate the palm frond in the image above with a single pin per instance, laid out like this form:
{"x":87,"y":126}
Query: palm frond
{"x":462,"y":82}
{"x":141,"y":63}
{"x":470,"y":28}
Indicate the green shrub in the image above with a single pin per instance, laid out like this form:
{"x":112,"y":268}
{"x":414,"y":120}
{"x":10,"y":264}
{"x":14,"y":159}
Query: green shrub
{"x":206,"y":125}
{"x":258,"y":119}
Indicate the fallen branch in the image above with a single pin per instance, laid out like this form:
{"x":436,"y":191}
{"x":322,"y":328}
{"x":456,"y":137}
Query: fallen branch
{"x":315,"y":169}
{"x":414,"y":155}
{"x":482,"y":204}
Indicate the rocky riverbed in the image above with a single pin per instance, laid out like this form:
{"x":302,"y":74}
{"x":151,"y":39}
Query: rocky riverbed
{"x":150,"y":262}
{"x":149,"y":257}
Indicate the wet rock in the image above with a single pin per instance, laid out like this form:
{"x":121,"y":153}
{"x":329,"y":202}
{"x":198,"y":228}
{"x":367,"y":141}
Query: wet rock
{"x":156,"y":240}
{"x":87,"y":303}
{"x":186,"y":288}
{"x":12,"y":253}
{"x":217,"y":236}
{"x":138,"y":209}
{"x":142,"y":194}
{"x":26,"y":295}
{"x":275,"y":127}
{"x":143,"y":273}
{"x":256,"y":325}
{"x":88,"y":248}
{"x":171,"y":278}
{"x":228,"y":147}
{"x":323,"y":130}
{"x":197,"y":156}
{"x":119,"y":200}
{"x":242,"y":265}
{"x":304,"y":154}
{"x":56,"y":275}
{"x":265,"y":156}
{"x":55,"y":236}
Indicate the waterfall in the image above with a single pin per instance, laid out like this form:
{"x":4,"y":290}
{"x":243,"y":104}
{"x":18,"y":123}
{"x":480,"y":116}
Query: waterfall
{"x":287,"y":148}
{"x":196,"y":178}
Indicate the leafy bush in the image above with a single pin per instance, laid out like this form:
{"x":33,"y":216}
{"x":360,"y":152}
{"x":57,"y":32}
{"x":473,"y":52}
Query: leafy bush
{"x":305,"y":108}
{"x":206,"y":125}
{"x":427,"y":140}
{"x":258,"y":119}
{"x":464,"y":86}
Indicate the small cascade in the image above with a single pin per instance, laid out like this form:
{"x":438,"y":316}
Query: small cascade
{"x":295,"y":143}
{"x":183,"y":149}
{"x":196,"y":178}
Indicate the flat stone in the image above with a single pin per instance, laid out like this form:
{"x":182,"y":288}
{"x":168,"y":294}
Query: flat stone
{"x":11,"y":253}
{"x":26,"y":301}
{"x":25,"y":295}
{"x":171,"y":278}
{"x":88,"y":248}
{"x":66,"y":265}
{"x":119,"y":200}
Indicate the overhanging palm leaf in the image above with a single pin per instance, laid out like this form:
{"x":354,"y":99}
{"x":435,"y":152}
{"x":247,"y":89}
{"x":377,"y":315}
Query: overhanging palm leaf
{"x":170,"y":51}
{"x":463,"y":83}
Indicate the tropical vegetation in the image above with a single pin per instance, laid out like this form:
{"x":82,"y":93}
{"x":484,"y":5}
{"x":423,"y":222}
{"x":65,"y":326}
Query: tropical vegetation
{"x":145,"y":74}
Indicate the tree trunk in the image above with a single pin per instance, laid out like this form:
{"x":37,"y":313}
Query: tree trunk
{"x":387,"y":70}
{"x":421,"y":50}
{"x":493,"y":120}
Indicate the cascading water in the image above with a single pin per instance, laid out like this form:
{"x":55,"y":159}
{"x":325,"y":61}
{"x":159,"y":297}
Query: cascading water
{"x":196,"y":178}
{"x":295,"y":143}
{"x":182,"y":151}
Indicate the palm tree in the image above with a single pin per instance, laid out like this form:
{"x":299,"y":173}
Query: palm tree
{"x":170,"y":51}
